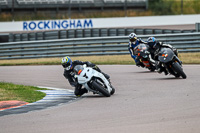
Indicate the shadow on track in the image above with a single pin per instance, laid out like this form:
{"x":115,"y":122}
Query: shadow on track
{"x":144,"y":72}
{"x":167,"y":78}
{"x":94,"y":96}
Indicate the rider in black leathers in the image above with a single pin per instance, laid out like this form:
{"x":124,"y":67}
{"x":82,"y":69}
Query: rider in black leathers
{"x":68,"y":66}
{"x":155,"y":47}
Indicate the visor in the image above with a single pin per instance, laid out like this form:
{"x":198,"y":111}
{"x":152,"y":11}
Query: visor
{"x":67,"y":66}
{"x":133,"y":39}
{"x":152,"y":44}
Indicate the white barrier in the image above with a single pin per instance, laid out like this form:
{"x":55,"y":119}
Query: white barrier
{"x":98,"y":23}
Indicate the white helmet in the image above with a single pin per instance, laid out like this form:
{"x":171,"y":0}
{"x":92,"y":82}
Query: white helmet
{"x":132,"y":37}
{"x":66,"y":63}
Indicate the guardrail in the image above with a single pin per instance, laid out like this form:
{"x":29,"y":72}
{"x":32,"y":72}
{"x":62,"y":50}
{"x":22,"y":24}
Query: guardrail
{"x":94,"y":32}
{"x":184,"y":42}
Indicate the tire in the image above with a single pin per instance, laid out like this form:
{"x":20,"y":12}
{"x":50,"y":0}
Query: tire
{"x":179,"y":70}
{"x":100,"y":89}
{"x":113,"y":91}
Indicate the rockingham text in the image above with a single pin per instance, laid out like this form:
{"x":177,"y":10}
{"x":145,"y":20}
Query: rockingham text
{"x":57,"y":24}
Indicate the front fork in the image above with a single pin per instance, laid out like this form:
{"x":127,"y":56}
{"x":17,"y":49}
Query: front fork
{"x":177,"y":59}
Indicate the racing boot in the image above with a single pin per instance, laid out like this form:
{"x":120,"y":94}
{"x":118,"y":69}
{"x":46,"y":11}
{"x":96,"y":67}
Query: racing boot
{"x":162,"y":69}
{"x":165,"y":71}
{"x":140,"y":64}
{"x":81,"y":92}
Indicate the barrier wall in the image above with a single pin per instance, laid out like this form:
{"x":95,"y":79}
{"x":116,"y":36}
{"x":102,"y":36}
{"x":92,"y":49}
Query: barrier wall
{"x":84,"y":33}
{"x":98,"y":23}
{"x":184,"y":42}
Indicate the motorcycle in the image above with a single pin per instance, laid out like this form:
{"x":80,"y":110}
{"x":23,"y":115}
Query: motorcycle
{"x":171,"y":62}
{"x":142,"y":52}
{"x":93,"y":80}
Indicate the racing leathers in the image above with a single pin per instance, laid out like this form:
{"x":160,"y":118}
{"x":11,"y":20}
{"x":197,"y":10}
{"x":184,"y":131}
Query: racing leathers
{"x":131,"y":47}
{"x":160,"y":45}
{"x":69,"y":74}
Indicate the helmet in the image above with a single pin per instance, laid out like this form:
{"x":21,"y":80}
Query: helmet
{"x":151,"y":41}
{"x":66,"y":63}
{"x":132,"y":37}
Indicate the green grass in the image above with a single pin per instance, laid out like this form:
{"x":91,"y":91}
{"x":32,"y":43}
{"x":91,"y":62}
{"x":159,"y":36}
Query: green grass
{"x":156,"y":7}
{"x":9,"y":91}
{"x":186,"y":58}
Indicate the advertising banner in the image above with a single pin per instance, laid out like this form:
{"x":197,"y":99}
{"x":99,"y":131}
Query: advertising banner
{"x":98,"y":23}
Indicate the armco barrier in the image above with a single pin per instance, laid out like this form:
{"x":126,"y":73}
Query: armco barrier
{"x":82,"y":33}
{"x":184,"y":42}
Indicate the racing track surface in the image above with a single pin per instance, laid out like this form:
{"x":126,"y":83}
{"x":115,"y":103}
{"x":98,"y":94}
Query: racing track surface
{"x":144,"y":102}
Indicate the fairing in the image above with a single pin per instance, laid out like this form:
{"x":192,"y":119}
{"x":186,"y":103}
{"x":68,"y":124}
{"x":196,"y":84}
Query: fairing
{"x":166,"y":55}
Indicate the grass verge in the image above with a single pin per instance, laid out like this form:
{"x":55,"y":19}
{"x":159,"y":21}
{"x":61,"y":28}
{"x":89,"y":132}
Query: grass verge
{"x":186,"y":58}
{"x":9,"y":91}
{"x":155,"y":7}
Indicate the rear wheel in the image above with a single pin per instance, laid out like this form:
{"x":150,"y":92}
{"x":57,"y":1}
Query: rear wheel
{"x":101,"y":89}
{"x":179,"y":70}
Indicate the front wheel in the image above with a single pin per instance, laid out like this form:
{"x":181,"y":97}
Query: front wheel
{"x":113,"y":90}
{"x":101,"y":89}
{"x":179,"y":70}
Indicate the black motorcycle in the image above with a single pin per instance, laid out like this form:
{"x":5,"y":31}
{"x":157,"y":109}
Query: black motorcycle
{"x":171,"y":62}
{"x":143,"y":54}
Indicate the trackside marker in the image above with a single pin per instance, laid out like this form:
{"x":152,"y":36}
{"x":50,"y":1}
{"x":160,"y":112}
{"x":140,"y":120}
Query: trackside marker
{"x":11,"y":104}
{"x":54,"y":96}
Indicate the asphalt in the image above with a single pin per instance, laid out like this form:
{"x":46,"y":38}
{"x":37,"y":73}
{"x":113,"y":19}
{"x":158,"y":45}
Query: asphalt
{"x":144,"y":102}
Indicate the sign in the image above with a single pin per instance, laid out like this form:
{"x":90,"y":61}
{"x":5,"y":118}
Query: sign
{"x":56,"y":24}
{"x":98,"y":23}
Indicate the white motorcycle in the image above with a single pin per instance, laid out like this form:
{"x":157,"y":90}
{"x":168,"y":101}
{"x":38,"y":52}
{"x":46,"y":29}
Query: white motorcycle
{"x":93,"y":80}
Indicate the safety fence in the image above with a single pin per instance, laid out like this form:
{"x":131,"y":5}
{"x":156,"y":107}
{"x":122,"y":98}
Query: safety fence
{"x":117,"y":45}
{"x":93,"y":32}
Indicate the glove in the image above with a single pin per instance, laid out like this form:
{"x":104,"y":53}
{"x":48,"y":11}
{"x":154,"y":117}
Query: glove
{"x":157,"y":65}
{"x":89,"y":64}
{"x":96,"y":68}
{"x":147,"y":52}
{"x":74,"y":84}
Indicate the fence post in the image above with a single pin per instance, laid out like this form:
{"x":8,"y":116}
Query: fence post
{"x":36,"y":36}
{"x":197,"y":26}
{"x":75,"y":33}
{"x":59,"y":34}
{"x":11,"y":37}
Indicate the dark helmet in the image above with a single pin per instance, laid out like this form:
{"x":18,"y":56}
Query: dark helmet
{"x":151,"y":41}
{"x":132,"y":37}
{"x":66,"y":63}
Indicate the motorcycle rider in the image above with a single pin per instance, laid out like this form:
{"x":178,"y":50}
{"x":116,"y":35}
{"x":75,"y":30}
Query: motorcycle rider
{"x":133,"y":42}
{"x":155,"y":47}
{"x":69,"y":65}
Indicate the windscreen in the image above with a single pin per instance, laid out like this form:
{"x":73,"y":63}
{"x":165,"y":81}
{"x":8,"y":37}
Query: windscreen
{"x":78,"y":69}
